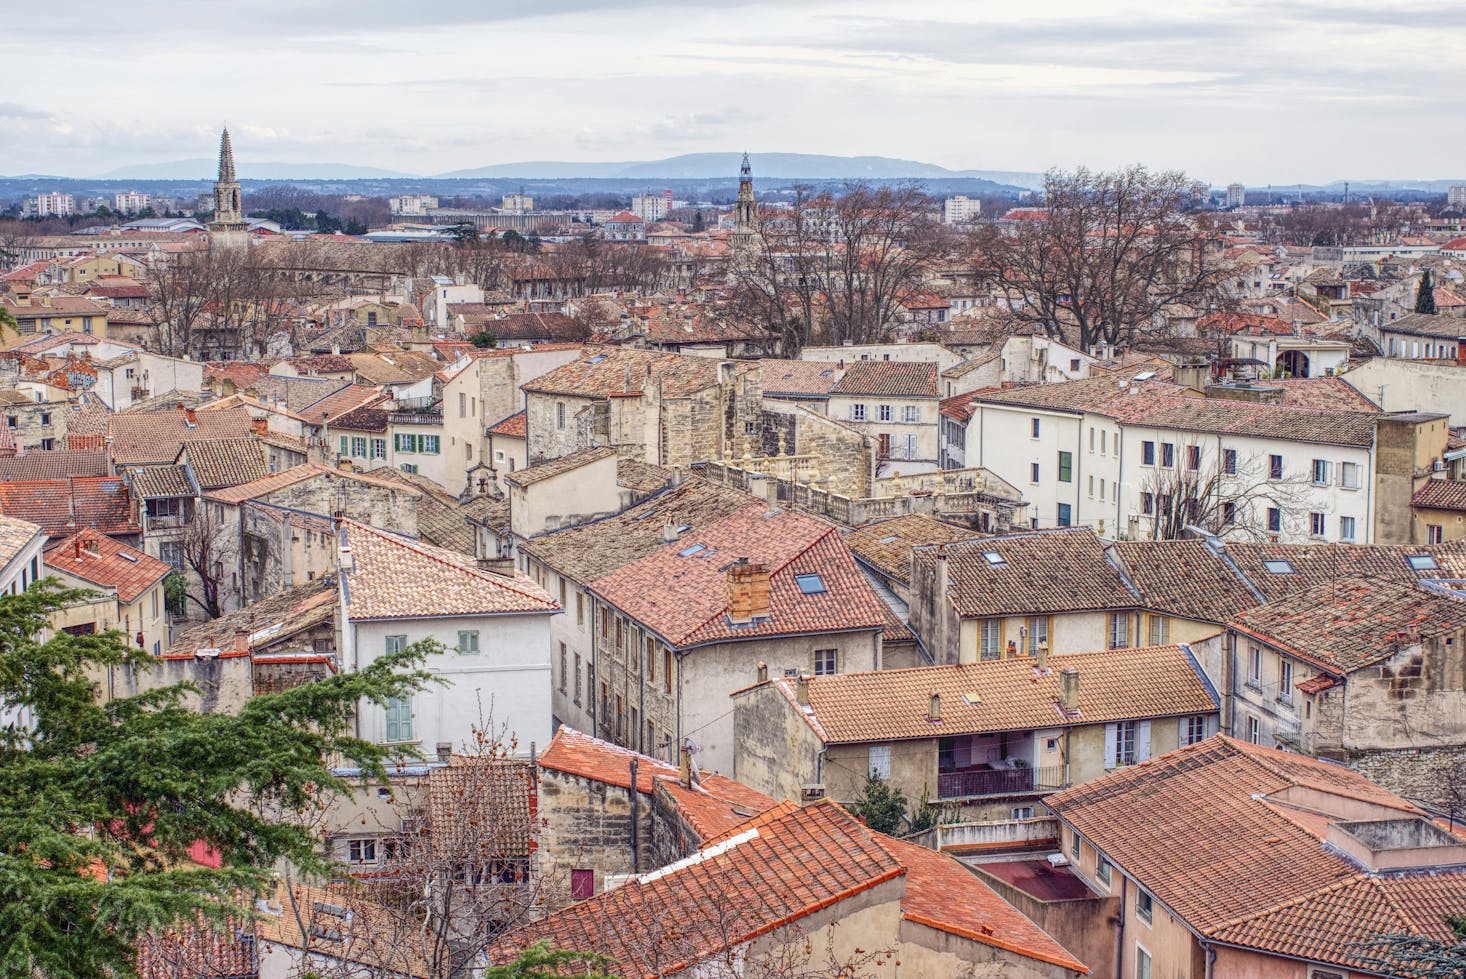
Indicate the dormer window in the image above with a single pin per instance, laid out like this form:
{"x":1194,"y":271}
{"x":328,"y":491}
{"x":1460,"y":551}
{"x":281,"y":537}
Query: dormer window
{"x":994,"y":559}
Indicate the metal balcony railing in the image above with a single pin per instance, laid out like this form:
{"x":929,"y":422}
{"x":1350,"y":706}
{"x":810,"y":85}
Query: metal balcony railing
{"x":976,"y":782}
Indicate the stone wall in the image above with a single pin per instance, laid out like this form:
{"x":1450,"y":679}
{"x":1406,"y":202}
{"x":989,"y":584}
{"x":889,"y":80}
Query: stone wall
{"x":36,"y":427}
{"x":586,"y":824}
{"x":1423,"y":775}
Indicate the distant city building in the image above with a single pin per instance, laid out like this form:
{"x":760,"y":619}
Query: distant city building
{"x":412,"y":204}
{"x":961,"y":209}
{"x":649,"y":207}
{"x":1456,"y":196}
{"x":131,"y":202}
{"x":54,"y":204}
{"x":1236,"y":195}
{"x":517,"y":203}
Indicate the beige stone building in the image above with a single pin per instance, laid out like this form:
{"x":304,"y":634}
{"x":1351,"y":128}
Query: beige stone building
{"x":128,"y":587}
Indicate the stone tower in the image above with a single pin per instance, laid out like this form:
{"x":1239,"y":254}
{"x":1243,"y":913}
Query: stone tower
{"x":743,"y":214}
{"x":228,"y":223}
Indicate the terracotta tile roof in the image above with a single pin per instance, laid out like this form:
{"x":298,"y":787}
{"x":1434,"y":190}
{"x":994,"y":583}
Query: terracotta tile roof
{"x":63,"y":506}
{"x":1253,"y":871}
{"x":1427,"y":325}
{"x":798,"y":378}
{"x":1229,"y":417}
{"x":361,"y":420}
{"x":340,"y":401}
{"x":1441,"y":494}
{"x":1350,"y":623}
{"x":393,"y":368}
{"x":593,"y":550}
{"x":270,"y":482}
{"x":886,"y":545}
{"x":556,"y":467}
{"x":1301,"y":566}
{"x":683,"y":597}
{"x":87,"y":417}
{"x":1011,"y":695}
{"x":1329,"y":393}
{"x":217,"y":463}
{"x":641,"y":477}
{"x":395,"y":578}
{"x":324,"y":364}
{"x":888,"y":379}
{"x":972,"y":364}
{"x":555,"y":327}
{"x":1186,"y":578}
{"x":199,"y":952}
{"x":1044,"y":571}
{"x":55,"y":464}
{"x":153,"y":438}
{"x":515,"y":426}
{"x":288,"y":613}
{"x":481,"y":805}
{"x":622,"y":371}
{"x":748,"y":885}
{"x":156,"y":482}
{"x":97,"y":558}
{"x":713,"y":806}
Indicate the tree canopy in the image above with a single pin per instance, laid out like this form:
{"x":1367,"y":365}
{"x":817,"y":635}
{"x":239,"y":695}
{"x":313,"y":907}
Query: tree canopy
{"x":101,"y":802}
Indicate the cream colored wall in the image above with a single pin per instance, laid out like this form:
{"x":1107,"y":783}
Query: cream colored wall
{"x":1076,"y":632}
{"x":1451,"y":522}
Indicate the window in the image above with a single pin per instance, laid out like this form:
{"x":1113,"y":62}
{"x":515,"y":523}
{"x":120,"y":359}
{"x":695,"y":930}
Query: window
{"x":1274,"y":467}
{"x":1316,"y":524}
{"x":1320,"y":472}
{"x":1121,"y":747}
{"x":910,"y":443}
{"x":1277,"y":566}
{"x":1346,"y":528}
{"x":857,"y":413}
{"x":1285,"y":679}
{"x":1033,"y":473}
{"x":1074,"y":845}
{"x":359,"y":447}
{"x":826,"y":662}
{"x":361,"y":851}
{"x":1229,"y":461}
{"x":1066,"y":467}
{"x":1102,"y":871}
{"x":1102,"y":443}
{"x":1066,"y":515}
{"x":990,"y":639}
{"x":1091,"y":485}
{"x":1421,"y":562}
{"x":880,"y":760}
{"x":1142,"y":960}
{"x":1160,"y":630}
{"x":1147,"y":453}
{"x":398,"y":718}
{"x":468,"y":642}
{"x":1147,"y":503}
{"x":429,"y":444}
{"x":577,"y":678}
{"x":1254,"y":730}
{"x":1434,"y":533}
{"x":379,"y":448}
{"x":651,"y":659}
{"x":1119,"y":630}
{"x":564,"y":668}
{"x":1274,"y":519}
{"x":994,"y":559}
{"x":1021,"y":812}
{"x":1349,"y":475}
{"x":1144,"y":906}
{"x":1193,"y":457}
{"x":1038,"y":633}
{"x":171,"y":552}
{"x":667,"y":670}
{"x":394,"y":644}
{"x":345,"y":445}
{"x":1229,"y":513}
{"x":911,"y":414}
{"x":401,"y":442}
{"x":810,"y":584}
{"x":580,"y":608}
{"x":582,"y":884}
{"x":560,"y":415}
{"x":883,"y":412}
{"x":1193,"y":730}
{"x":462,"y":404}
{"x":1168,"y":455}
{"x":1036,"y":427}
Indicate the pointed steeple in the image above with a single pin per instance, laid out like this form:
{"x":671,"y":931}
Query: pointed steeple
{"x":745,"y":170}
{"x":226,"y":158}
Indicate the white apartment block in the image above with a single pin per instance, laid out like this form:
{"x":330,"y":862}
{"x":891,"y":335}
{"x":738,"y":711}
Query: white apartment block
{"x":1236,"y":195}
{"x":516,"y":204}
{"x":412,"y":204}
{"x":54,"y":204}
{"x":1456,"y":195}
{"x":131,"y":202}
{"x":960,"y":209}
{"x":650,"y":207}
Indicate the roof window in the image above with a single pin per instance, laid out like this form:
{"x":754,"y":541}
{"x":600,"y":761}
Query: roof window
{"x":1422,"y":562}
{"x":596,"y":359}
{"x":810,"y":584}
{"x":994,"y":559}
{"x":1278,"y":566}
{"x":887,"y":540}
{"x":690,"y":551}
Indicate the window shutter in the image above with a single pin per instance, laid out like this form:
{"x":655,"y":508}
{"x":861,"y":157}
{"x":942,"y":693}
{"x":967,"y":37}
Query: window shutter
{"x":1142,"y":741}
{"x":880,"y":760}
{"x":1109,"y":746}
{"x":1211,"y":724}
{"x":1183,"y":728}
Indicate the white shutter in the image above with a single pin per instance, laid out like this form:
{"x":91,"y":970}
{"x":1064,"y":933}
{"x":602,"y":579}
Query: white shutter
{"x":1183,"y":728}
{"x":880,"y":760}
{"x":1142,"y":741}
{"x":1109,"y":746}
{"x":1212,"y":721}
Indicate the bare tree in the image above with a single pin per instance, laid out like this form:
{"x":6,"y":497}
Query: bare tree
{"x":208,"y":551}
{"x":1108,"y":255}
{"x":1221,"y":493}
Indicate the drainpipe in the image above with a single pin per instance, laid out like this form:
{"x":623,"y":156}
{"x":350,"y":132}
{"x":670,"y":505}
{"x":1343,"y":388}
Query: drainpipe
{"x":1211,"y":958}
{"x":1120,"y":940}
{"x":635,"y":822}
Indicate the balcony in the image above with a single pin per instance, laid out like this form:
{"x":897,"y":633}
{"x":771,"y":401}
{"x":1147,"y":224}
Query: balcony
{"x":984,"y":780}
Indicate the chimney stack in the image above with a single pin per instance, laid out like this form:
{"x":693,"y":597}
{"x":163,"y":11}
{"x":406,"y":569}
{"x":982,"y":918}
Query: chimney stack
{"x":261,"y":426}
{"x":934,"y":707}
{"x":748,"y":592}
{"x":1069,"y":690}
{"x":445,"y":752}
{"x":801,"y":690}
{"x":763,"y":672}
{"x":771,"y":491}
{"x":241,"y":640}
{"x":1041,"y":660}
{"x":190,"y":418}
{"x":502,"y":566}
{"x":669,"y":532}
{"x":684,"y":765}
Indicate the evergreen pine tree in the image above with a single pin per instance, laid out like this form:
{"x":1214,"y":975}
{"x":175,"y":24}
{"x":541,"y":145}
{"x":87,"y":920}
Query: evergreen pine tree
{"x":100,"y":803}
{"x":880,"y":805}
{"x":1425,"y":295}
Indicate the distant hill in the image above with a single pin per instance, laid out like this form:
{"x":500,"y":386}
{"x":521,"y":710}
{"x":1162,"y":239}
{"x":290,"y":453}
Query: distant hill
{"x":778,"y":166}
{"x":206,"y":169}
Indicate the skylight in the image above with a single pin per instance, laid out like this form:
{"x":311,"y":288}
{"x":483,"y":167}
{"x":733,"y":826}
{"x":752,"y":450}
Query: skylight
{"x":887,"y":540}
{"x":810,"y":584}
{"x":994,"y":559}
{"x":690,"y":551}
{"x":1278,"y":566}
{"x":1421,"y":562}
{"x":596,"y":359}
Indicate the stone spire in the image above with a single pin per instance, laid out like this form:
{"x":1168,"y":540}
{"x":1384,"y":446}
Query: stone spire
{"x":743,"y":210}
{"x":226,"y":158}
{"x":228,"y":226}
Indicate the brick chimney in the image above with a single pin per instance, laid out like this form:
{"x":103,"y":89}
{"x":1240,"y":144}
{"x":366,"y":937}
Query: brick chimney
{"x":241,"y":641}
{"x":261,"y":426}
{"x":748,"y":592}
{"x":1069,"y":690}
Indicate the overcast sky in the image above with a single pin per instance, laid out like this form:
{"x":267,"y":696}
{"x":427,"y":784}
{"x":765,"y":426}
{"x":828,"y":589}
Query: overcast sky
{"x":1297,"y":90}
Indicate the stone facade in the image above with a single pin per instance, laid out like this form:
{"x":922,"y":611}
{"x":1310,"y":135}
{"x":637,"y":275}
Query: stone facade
{"x":36,"y":427}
